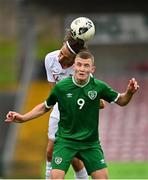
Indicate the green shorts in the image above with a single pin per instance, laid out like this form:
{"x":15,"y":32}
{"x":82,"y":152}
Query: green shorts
{"x":90,"y":153}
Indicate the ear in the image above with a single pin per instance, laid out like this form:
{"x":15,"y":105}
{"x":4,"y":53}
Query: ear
{"x":72,"y":66}
{"x":93,"y":69}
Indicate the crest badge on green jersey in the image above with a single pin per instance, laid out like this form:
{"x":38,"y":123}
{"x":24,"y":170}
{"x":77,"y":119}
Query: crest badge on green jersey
{"x":92,"y":94}
{"x":58,"y":160}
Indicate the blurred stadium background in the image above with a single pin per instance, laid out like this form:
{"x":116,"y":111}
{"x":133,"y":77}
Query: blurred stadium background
{"x":29,"y":29}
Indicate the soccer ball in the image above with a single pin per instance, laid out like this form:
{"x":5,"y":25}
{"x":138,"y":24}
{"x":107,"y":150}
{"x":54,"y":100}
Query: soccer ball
{"x":82,"y":28}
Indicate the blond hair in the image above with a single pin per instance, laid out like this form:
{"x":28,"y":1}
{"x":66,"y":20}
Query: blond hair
{"x":86,"y":55}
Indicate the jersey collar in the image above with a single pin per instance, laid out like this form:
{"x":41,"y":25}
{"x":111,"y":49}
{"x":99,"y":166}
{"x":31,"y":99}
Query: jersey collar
{"x":79,"y":85}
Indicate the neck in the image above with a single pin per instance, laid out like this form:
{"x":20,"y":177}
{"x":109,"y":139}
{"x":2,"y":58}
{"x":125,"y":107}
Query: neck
{"x":81,"y":82}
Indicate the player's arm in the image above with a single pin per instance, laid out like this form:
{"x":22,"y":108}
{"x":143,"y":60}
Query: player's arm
{"x":37,"y":111}
{"x":125,"y":97}
{"x":52,"y":84}
{"x":102,"y":104}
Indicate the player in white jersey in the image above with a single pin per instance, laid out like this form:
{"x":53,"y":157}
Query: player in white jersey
{"x":55,"y":73}
{"x":58,"y":65}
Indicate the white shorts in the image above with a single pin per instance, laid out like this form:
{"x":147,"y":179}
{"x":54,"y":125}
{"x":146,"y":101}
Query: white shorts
{"x":52,"y":127}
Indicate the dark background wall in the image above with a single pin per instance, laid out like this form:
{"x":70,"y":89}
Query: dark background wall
{"x":98,"y":6}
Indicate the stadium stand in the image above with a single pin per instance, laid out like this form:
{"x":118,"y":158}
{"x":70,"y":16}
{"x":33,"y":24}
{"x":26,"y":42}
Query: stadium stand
{"x":124,"y":130}
{"x":6,"y":102}
{"x":30,"y":150}
{"x":31,"y":143}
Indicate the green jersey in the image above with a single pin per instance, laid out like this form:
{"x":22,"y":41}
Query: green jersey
{"x":79,"y":107}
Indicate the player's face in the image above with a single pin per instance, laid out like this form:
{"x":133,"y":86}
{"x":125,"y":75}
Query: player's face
{"x":83,"y":68}
{"x":66,"y":58}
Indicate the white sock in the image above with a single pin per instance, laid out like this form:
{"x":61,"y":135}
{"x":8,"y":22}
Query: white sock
{"x":82,"y":174}
{"x":48,"y":170}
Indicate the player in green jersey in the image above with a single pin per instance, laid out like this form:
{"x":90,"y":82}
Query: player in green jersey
{"x":77,"y":134}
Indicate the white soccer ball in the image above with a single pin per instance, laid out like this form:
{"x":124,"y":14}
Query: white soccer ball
{"x":82,"y":28}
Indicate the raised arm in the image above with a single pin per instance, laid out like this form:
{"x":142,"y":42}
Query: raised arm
{"x":125,"y":97}
{"x":37,"y":111}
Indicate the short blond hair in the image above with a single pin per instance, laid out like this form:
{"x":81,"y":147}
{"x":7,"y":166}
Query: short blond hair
{"x":86,"y":55}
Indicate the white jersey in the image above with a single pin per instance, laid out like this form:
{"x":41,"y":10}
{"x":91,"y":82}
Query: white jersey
{"x":55,"y":73}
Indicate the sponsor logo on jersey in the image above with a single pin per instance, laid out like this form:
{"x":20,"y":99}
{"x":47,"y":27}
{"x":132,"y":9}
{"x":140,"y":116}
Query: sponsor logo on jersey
{"x":69,"y":95}
{"x":92,"y":94}
{"x":59,"y":77}
{"x":58,"y":160}
{"x":102,"y":161}
{"x":60,"y":74}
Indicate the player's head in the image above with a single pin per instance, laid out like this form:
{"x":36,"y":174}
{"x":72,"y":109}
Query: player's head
{"x":70,"y":49}
{"x":83,"y":66}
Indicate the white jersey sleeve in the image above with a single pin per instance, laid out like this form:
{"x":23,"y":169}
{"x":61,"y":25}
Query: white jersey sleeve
{"x":50,"y":60}
{"x":54,"y":70}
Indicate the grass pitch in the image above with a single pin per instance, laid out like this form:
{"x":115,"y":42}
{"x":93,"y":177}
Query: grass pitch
{"x":118,"y":170}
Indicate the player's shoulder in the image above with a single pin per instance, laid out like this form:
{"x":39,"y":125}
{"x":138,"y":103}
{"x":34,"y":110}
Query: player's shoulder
{"x":64,"y":82}
{"x":51,"y":57}
{"x":53,"y":53}
{"x":99,"y":82}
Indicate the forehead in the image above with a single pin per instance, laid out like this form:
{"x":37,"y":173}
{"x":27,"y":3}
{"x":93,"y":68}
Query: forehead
{"x":66,"y":52}
{"x":83,"y":61}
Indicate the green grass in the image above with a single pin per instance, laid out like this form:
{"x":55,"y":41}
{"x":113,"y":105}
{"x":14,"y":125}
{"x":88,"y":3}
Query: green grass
{"x":127,"y":170}
{"x":42,"y":48}
{"x":8,"y":53}
{"x":130,"y":170}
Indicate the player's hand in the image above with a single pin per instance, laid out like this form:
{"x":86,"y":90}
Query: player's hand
{"x":102,"y":104}
{"x":132,"y":86}
{"x":14,"y":117}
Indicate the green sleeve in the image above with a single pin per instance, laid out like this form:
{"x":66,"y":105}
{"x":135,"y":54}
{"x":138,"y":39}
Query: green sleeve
{"x":109,"y":94}
{"x":52,"y":98}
